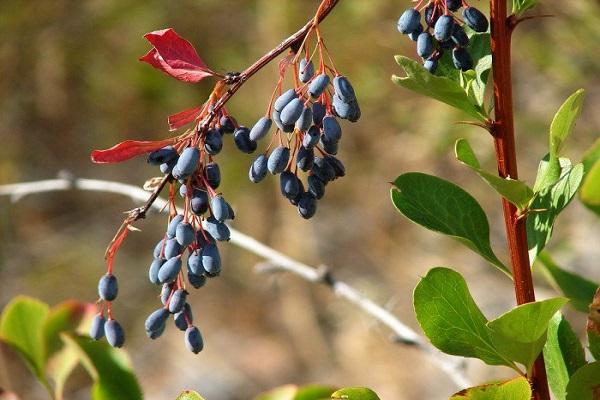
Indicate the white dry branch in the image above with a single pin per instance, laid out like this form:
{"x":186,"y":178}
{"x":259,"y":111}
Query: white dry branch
{"x":275,"y":262}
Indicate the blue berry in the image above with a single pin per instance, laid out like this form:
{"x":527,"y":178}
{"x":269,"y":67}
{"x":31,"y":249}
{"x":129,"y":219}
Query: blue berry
{"x":258,"y":169}
{"x":289,"y":185}
{"x":261,"y":128}
{"x":158,"y":249}
{"x":343,"y":88}
{"x":337,"y":165}
{"x":311,"y":137}
{"x":157,"y":333}
{"x":444,"y":28}
{"x":188,"y":161}
{"x":291,"y":112}
{"x":323,"y":170}
{"x":199,"y":202}
{"x":227,"y":124}
{"x":475,"y":19}
{"x":431,"y":64}
{"x":305,"y":120}
{"x":306,"y":70}
{"x":330,"y":146}
{"x":213,"y":142}
{"x":203,"y":237}
{"x":242,"y":140}
{"x":108,"y":287}
{"x":213,"y":174}
{"x":177,"y":301}
{"x":211,"y":259}
{"x":167,"y":168}
{"x":115,"y":336}
{"x":425,"y":45}
{"x":453,"y":5}
{"x":97,"y":328}
{"x":185,"y":234}
{"x":278,"y":160}
{"x":179,"y":318}
{"x":194,"y":263}
{"x":307,"y":205}
{"x":319,"y":113}
{"x":165,"y":292}
{"x":172,"y":249}
{"x":164,"y":155}
{"x":197,"y":281}
{"x":183,"y":191}
{"x":156,"y":320}
{"x":284,"y":99}
{"x":153,"y":271}
{"x":331,"y":128}
{"x":316,"y":186}
{"x":447,"y":44}
{"x":460,"y":37}
{"x":219,"y":208}
{"x":169,"y":270}
{"x":172,"y":227}
{"x":415,"y":34}
{"x":409,"y":21}
{"x":318,"y":85}
{"x":432,"y":13}
{"x":276,"y":118}
{"x":217,"y":229}
{"x":193,"y":340}
{"x":305,"y":158}
{"x":462,"y":59}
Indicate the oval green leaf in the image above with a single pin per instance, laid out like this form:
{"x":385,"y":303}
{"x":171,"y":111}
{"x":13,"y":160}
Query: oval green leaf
{"x":515,"y":389}
{"x":585,"y":383}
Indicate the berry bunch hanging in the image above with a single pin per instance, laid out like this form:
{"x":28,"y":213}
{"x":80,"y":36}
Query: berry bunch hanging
{"x":442,"y":31}
{"x":306,"y":136}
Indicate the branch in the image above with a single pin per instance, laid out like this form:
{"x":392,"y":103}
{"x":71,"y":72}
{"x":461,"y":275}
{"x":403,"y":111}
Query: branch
{"x":276,"y":262}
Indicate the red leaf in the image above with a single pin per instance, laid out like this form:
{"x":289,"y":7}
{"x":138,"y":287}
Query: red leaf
{"x":175,"y":56}
{"x":184,"y":117}
{"x":126,"y":150}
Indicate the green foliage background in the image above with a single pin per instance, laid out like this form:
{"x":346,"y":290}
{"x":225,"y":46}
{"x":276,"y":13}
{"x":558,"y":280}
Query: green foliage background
{"x":70,"y":82}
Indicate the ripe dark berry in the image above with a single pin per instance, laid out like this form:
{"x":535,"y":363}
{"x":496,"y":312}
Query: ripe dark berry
{"x":115,"y":336}
{"x":307,"y":205}
{"x":261,"y":128}
{"x":108,"y":287}
{"x":172,"y":228}
{"x":305,"y":158}
{"x":213,"y":142}
{"x":311,"y":137}
{"x":432,"y":13}
{"x":318,"y":85}
{"x":211,"y":259}
{"x":462,"y":59}
{"x":431,"y":64}
{"x":289,"y":184}
{"x":156,"y":320}
{"x":460,"y":37}
{"x":153,"y":271}
{"x":323,"y":170}
{"x":193,"y":340}
{"x":157,"y":333}
{"x":97,"y":328}
{"x":444,"y":28}
{"x":242,"y":140}
{"x":447,"y":44}
{"x":475,"y":19}
{"x":425,"y":45}
{"x":284,"y":99}
{"x":185,"y":234}
{"x":177,"y":301}
{"x":337,"y":166}
{"x":278,"y":160}
{"x":180,"y":317}
{"x":188,"y":161}
{"x":306,"y":70}
{"x":164,"y":155}
{"x":330,"y":146}
{"x":305,"y":120}
{"x":217,"y":229}
{"x":213,"y":174}
{"x":167,"y":168}
{"x":409,"y":21}
{"x":319,"y":112}
{"x":199,"y":202}
{"x":316,"y":186}
{"x":227,"y":124}
{"x":415,"y":34}
{"x":169,"y":270}
{"x":331,"y":128}
{"x":258,"y":169}
{"x":197,"y":281}
{"x":453,"y":5}
{"x":343,"y":89}
{"x":172,"y":249}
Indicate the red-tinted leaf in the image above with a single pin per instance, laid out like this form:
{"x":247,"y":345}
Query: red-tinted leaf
{"x":175,"y":56}
{"x":184,"y":117}
{"x":126,"y":150}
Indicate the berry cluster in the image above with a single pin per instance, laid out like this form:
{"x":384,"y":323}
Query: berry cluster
{"x":306,"y":139}
{"x":448,"y":31}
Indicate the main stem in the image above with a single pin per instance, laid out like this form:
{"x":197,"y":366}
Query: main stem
{"x":504,"y":141}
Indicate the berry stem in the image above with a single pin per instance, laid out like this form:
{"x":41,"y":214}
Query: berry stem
{"x":504,"y":141}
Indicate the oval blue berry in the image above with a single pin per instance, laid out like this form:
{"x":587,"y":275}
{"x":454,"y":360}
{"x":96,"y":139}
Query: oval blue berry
{"x":115,"y":336}
{"x":177,"y":301}
{"x":97,"y":328}
{"x":331,"y":128}
{"x":108,"y":287}
{"x":158,"y":249}
{"x":258,"y":169}
{"x":307,"y":205}
{"x":462,"y":59}
{"x":197,"y":281}
{"x":193,"y":340}
{"x":278,"y":160}
{"x":172,"y":227}
{"x":199,"y":202}
{"x":180,"y":317}
{"x":188,"y":161}
{"x":242,"y":140}
{"x":260,"y":128}
{"x":219,"y":208}
{"x":319,"y":113}
{"x":156,"y":320}
{"x":318,"y":85}
{"x":172,"y":249}
{"x":217,"y":229}
{"x":213,"y":142}
{"x":284,"y":99}
{"x":316,"y":186}
{"x":305,"y":120}
{"x":291,"y":112}
{"x":153,"y":270}
{"x":289,"y":185}
{"x":424,"y":45}
{"x":213,"y":174}
{"x":227,"y":124}
{"x":169,"y":270}
{"x":444,"y":28}
{"x":165,"y":292}
{"x":343,"y":88}
{"x":306,"y":70}
{"x":409,"y":21}
{"x":160,"y":156}
{"x":211,"y":259}
{"x":311,"y":137}
{"x":475,"y":19}
{"x":430,"y":64}
{"x":305,"y":158}
{"x":185,"y":234}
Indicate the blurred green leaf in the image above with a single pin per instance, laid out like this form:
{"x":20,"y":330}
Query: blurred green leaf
{"x":584,"y":383}
{"x":520,"y":6}
{"x":60,"y":366}
{"x":64,"y":317}
{"x":515,"y":389}
{"x":450,"y":318}
{"x":578,"y":289}
{"x":294,"y":392}
{"x":189,"y":395}
{"x":564,"y":122}
{"x":519,"y":335}
{"x":590,"y":189}
{"x":563,"y":355}
{"x":109,"y":368}
{"x":547,"y":205}
{"x":443,"y":207}
{"x":356,"y":393}
{"x":419,"y":80}
{"x":22,"y":327}
{"x":591,"y":156}
{"x":517,"y":192}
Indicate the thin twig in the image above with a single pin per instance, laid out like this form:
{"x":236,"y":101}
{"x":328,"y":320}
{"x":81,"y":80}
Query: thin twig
{"x":276,"y":262}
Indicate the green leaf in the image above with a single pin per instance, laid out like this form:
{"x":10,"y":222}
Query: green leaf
{"x":519,"y":335}
{"x":21,"y":327}
{"x":60,"y":366}
{"x":110,"y":369}
{"x":515,"y":191}
{"x":443,"y":207}
{"x":564,"y":122}
{"x":515,"y":389}
{"x":419,"y":80}
{"x":549,"y":171}
{"x":593,"y":326}
{"x":451,"y":320}
{"x":356,"y":393}
{"x":591,"y":156}
{"x":547,"y":205}
{"x":294,"y":392}
{"x":64,"y":317}
{"x":520,"y":6}
{"x":590,"y":189}
{"x":189,"y":395}
{"x":563,"y":355}
{"x":585,"y":383}
{"x":579,"y":290}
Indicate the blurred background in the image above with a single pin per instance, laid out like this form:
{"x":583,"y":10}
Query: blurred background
{"x":70,"y":82}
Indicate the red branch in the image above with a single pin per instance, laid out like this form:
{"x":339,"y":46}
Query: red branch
{"x":504,"y":140}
